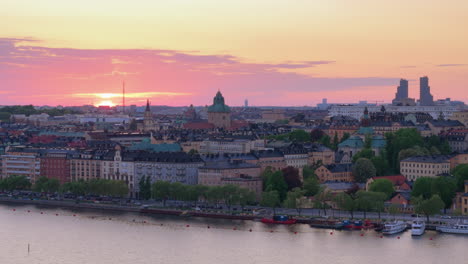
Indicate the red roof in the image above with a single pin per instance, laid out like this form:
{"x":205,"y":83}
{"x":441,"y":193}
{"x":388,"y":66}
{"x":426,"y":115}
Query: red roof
{"x":397,"y":180}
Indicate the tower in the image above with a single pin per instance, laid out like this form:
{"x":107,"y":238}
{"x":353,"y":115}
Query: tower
{"x":148,"y":122}
{"x":219,"y":114}
{"x":402,"y":90}
{"x":425,"y":97}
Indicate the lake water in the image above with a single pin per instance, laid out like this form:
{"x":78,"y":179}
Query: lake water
{"x":101,"y":238}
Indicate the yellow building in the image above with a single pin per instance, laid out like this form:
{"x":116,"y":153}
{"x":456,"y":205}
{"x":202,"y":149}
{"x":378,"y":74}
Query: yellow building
{"x":461,"y":116}
{"x":424,"y":166}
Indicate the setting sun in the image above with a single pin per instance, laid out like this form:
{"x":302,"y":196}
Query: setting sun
{"x":105,"y":103}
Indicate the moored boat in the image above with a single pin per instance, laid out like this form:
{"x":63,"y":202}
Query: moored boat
{"x":279,"y":219}
{"x":394,"y":227}
{"x":458,"y":228}
{"x":418,"y":227}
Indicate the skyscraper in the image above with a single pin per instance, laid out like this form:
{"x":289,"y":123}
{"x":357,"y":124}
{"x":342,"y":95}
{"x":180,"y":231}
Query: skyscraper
{"x":425,"y":97}
{"x":402,"y":90}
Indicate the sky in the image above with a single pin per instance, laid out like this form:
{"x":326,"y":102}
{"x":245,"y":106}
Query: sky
{"x":271,"y":52}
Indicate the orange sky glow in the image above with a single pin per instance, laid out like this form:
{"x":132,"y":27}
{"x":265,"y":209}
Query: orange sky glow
{"x":270,"y":52}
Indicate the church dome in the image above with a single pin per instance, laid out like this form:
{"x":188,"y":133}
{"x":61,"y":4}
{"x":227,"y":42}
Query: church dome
{"x":218,"y":105}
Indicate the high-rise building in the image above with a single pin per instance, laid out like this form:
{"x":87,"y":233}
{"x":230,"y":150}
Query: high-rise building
{"x":402,"y":90}
{"x":246,"y":103}
{"x":401,"y":96}
{"x":425,"y":97}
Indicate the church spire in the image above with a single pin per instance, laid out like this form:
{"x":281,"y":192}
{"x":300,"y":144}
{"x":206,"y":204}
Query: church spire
{"x":147,"y":106}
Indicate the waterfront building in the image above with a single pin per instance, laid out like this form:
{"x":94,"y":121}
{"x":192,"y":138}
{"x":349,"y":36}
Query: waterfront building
{"x":243,"y":174}
{"x":19,"y":161}
{"x":464,"y":206}
{"x":86,"y":165}
{"x":219,"y":114}
{"x":119,"y":166}
{"x":56,"y":165}
{"x":425,"y":166}
{"x":167,"y":166}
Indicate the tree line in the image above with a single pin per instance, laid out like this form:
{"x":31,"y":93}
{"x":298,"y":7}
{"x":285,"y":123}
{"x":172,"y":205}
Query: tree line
{"x":226,"y":194}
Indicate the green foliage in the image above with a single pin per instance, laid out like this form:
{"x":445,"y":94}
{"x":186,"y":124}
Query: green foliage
{"x":30,"y":110}
{"x":145,"y":188}
{"x":276,"y":182}
{"x":384,"y":186}
{"x":422,"y":187}
{"x":380,"y":164}
{"x":345,"y":137}
{"x":311,"y":186}
{"x":366,"y":153}
{"x":161,"y":190}
{"x":270,"y":199}
{"x":412,"y":152}
{"x":293,"y":199}
{"x":5,"y":116}
{"x":321,"y":199}
{"x":326,"y":141}
{"x":299,"y":136}
{"x":345,"y":202}
{"x":461,"y":175}
{"x":308,"y":172}
{"x":429,"y":206}
{"x":443,"y":187}
{"x":44,"y":184}
{"x":15,"y":183}
{"x":78,"y":187}
{"x":363,"y":169}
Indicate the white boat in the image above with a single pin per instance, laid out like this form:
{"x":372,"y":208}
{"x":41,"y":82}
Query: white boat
{"x":458,"y":228}
{"x":418,"y":227}
{"x":394,"y":227}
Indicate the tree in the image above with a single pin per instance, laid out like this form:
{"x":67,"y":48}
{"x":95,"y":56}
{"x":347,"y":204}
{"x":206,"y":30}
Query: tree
{"x":276,"y":182}
{"x":316,"y":135}
{"x":345,"y":202}
{"x":145,"y":187}
{"x":364,"y":201}
{"x":445,"y":187}
{"x":363,"y":170}
{"x":15,"y":183}
{"x":380,"y":164}
{"x":214,"y":194}
{"x":428,"y":207}
{"x":307,"y":172}
{"x":326,"y":141}
{"x":345,"y":136}
{"x":321,"y":199}
{"x":270,"y":199}
{"x":161,"y":190}
{"x":293,"y":199}
{"x":393,"y":209}
{"x":311,"y":186}
{"x":230,"y":194}
{"x":245,"y":197}
{"x":364,"y":153}
{"x":461,"y":175}
{"x":422,"y":187}
{"x":77,"y":187}
{"x":335,"y":141}
{"x":291,"y":177}
{"x":402,"y":139}
{"x":382,"y":185}
{"x":266,"y":175}
{"x":412,"y":152}
{"x":299,"y":135}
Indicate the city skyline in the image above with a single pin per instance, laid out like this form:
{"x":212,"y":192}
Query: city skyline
{"x":180,"y":53}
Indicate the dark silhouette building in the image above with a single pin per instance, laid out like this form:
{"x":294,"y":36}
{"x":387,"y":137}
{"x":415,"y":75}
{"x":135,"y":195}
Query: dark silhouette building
{"x":425,"y":97}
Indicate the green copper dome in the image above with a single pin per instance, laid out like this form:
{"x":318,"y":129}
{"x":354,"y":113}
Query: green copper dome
{"x":218,"y":105}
